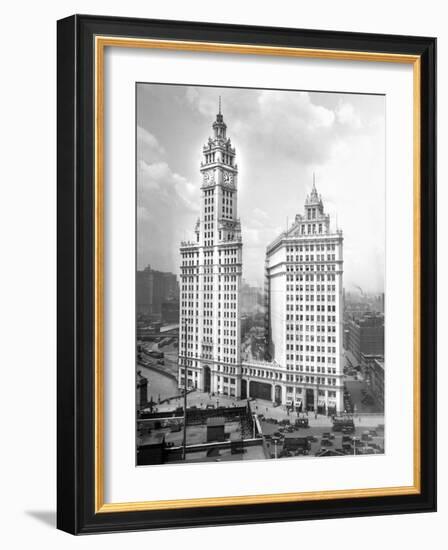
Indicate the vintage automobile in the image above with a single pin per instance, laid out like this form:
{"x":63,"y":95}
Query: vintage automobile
{"x":343,"y":424}
{"x":302,"y":423}
{"x":296,"y":445}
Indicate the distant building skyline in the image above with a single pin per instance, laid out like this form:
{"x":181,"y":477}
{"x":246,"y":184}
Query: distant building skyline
{"x":153,"y":288}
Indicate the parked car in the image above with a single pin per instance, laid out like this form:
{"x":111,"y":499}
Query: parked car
{"x":366,"y":436}
{"x":343,"y":424}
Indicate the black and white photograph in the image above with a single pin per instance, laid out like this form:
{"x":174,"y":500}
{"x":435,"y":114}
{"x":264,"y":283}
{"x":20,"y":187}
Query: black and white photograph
{"x":260,"y":274}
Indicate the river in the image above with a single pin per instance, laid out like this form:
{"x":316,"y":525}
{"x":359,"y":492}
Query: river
{"x":159,"y":384}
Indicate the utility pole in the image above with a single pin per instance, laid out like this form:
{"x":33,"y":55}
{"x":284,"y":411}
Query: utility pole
{"x":275,"y":448}
{"x":184,"y":443}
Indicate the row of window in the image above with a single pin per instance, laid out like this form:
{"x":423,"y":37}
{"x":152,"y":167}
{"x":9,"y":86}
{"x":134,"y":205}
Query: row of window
{"x":310,"y":358}
{"x":310,"y":297}
{"x":306,"y":267}
{"x":311,"y":380}
{"x":194,"y":364}
{"x":207,"y":322}
{"x":274,"y":375}
{"x":310,"y":307}
{"x":312,"y":229}
{"x":311,"y":277}
{"x":310,"y":338}
{"x":207,"y":355}
{"x":311,"y":368}
{"x":311,"y":248}
{"x":190,"y":313}
{"x":310,"y":328}
{"x":319,"y":349}
{"x":319,"y":318}
{"x":207,"y":287}
{"x":310,"y":288}
{"x":210,"y":157}
{"x":317,"y":358}
{"x":227,"y":159}
{"x":310,"y":258}
{"x":311,"y":213}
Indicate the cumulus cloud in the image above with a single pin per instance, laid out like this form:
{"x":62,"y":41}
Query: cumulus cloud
{"x":281,"y":139}
{"x":149,"y":148}
{"x":287,"y":123}
{"x":347,"y":115}
{"x":167,"y":204}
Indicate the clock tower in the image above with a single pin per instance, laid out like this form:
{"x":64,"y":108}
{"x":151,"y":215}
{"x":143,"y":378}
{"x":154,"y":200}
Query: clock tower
{"x":211,"y":271}
{"x":219,"y":185}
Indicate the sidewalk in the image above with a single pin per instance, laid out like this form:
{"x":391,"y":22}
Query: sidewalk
{"x":280,"y":413}
{"x":266,"y":408}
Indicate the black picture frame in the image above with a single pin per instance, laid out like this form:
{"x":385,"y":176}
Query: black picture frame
{"x":76,"y":270}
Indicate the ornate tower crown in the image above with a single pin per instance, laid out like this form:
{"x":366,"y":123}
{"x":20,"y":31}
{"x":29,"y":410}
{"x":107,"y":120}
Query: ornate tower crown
{"x":218,"y":153}
{"x":313,"y":202}
{"x":219,"y":126}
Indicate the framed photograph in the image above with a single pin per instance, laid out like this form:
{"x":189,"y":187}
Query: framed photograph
{"x":246,"y":274}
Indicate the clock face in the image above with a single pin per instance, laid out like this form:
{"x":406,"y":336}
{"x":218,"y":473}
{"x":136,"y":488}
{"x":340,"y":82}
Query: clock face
{"x":228,"y":178}
{"x":208,"y":177}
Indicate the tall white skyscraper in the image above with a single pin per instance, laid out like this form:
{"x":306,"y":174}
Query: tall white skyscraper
{"x":304,"y":268}
{"x":211,"y":271}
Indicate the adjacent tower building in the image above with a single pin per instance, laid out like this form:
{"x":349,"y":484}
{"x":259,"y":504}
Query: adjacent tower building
{"x":304,"y":267}
{"x":211,"y":270}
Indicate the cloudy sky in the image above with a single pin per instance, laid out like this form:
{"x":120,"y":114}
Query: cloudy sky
{"x":281,"y":138}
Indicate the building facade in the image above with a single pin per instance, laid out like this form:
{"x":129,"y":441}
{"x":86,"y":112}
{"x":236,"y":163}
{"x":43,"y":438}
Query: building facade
{"x":170,"y":311}
{"x":366,"y":335}
{"x":304,"y":321}
{"x":152,"y":289}
{"x":377,"y":381}
{"x":211,"y":272}
{"x":372,"y":367}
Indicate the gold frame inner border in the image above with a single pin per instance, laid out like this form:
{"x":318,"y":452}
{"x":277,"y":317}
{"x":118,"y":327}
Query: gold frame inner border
{"x":101,"y":42}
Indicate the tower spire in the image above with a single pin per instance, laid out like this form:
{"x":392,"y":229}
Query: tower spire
{"x":219,"y":111}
